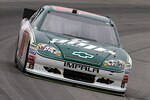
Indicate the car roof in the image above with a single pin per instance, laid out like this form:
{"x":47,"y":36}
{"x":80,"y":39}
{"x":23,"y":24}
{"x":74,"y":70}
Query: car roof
{"x":78,"y":12}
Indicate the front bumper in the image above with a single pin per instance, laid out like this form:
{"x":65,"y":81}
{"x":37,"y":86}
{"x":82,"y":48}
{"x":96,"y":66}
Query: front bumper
{"x":40,"y":62}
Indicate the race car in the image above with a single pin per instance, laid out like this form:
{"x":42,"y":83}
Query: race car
{"x":74,"y":46}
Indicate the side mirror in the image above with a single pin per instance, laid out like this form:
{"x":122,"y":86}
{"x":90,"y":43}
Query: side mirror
{"x":27,"y":13}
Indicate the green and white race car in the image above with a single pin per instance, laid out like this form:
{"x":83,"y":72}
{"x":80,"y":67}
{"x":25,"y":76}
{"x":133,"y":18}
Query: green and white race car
{"x":74,"y":46}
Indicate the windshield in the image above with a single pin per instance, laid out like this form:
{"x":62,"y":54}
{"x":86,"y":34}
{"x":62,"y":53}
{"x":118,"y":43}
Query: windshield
{"x":81,"y":27}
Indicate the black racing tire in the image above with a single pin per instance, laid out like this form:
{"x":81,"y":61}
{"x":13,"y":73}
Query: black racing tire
{"x":15,"y":59}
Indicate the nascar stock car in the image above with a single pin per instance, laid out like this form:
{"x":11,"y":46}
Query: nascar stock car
{"x":74,"y":46}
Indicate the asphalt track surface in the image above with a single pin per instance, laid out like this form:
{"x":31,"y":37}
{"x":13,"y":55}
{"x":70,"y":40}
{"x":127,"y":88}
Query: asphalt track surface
{"x":133,"y":24}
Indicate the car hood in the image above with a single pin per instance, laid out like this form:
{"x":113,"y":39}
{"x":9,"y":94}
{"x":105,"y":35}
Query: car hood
{"x":75,"y":49}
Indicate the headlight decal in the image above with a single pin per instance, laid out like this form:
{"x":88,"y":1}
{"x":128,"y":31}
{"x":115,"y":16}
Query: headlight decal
{"x":114,"y":63}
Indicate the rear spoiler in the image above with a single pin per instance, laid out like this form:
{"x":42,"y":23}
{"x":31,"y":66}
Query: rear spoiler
{"x":27,"y":13}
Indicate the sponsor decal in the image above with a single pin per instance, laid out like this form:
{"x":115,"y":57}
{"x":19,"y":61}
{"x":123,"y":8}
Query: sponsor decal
{"x":81,"y":43}
{"x":82,"y":54}
{"x":52,"y":50}
{"x":32,"y":51}
{"x":87,"y":13}
{"x":81,"y":67}
{"x":49,"y":49}
{"x":31,"y":61}
{"x":57,"y":8}
{"x":41,"y":46}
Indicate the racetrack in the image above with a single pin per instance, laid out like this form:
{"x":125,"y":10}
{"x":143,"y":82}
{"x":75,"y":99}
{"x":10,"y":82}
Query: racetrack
{"x":133,"y":22}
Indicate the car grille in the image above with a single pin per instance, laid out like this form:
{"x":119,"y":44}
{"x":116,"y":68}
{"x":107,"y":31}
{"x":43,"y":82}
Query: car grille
{"x":79,"y":76}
